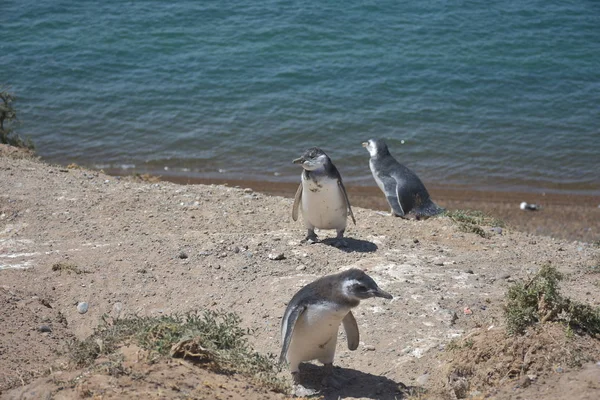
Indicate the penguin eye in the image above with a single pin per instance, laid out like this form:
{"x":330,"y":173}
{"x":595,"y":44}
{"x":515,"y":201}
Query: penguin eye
{"x":361,"y":288}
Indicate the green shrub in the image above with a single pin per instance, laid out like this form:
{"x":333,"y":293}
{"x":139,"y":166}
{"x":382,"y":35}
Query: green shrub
{"x":211,"y":338}
{"x":8,"y":117}
{"x":539,"y":300}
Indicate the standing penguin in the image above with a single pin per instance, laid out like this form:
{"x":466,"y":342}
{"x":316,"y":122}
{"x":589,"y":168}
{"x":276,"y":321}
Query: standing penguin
{"x":402,"y":188}
{"x":310,"y":325}
{"x":321,"y":195}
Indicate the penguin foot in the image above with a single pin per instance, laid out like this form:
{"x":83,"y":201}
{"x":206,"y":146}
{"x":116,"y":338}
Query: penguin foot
{"x":311,"y":237}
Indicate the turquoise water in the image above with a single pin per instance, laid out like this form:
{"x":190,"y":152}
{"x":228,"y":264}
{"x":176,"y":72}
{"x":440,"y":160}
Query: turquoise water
{"x":503,"y":96}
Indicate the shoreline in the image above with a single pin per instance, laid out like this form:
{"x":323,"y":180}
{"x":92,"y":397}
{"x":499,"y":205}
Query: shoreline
{"x":573,"y":217}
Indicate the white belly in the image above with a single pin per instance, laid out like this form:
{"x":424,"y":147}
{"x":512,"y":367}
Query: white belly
{"x":315,"y":334}
{"x":376,"y":177}
{"x":323,"y":204}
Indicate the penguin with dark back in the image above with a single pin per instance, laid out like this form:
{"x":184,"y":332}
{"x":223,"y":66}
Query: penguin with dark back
{"x":321,"y":196}
{"x":402,"y":188}
{"x":310,"y":324}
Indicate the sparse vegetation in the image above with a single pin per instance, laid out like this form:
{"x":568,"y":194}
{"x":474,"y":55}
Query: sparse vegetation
{"x":539,"y":300}
{"x":469,"y":221}
{"x":146,"y":178}
{"x":8,"y":118}
{"x":67,"y":267}
{"x":213,"y":339}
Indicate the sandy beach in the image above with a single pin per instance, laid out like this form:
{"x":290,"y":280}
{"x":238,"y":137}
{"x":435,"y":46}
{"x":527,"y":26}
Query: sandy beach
{"x":139,"y":248}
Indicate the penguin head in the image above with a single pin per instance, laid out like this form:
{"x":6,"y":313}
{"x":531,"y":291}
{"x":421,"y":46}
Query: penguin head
{"x":357,"y":285}
{"x":312,"y":159}
{"x":376,"y":147}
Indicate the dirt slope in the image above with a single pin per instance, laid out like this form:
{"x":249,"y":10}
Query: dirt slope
{"x":159,"y":248}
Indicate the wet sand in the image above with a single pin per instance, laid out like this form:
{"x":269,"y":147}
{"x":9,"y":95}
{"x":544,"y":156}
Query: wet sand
{"x":564,"y":216}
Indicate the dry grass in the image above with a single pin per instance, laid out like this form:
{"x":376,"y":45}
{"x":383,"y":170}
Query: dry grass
{"x":470,"y":221}
{"x":213,"y":339}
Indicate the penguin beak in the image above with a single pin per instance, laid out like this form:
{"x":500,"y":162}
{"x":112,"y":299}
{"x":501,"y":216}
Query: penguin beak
{"x":365,"y":144}
{"x":381,"y":293}
{"x":299,"y":160}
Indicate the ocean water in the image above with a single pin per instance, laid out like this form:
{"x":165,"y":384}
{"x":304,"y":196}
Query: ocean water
{"x":489,"y":95}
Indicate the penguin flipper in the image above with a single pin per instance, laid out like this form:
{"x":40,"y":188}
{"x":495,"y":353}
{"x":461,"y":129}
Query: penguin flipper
{"x":391,"y":187}
{"x":343,"y":189}
{"x":397,"y":205}
{"x":289,"y":330}
{"x":351,"y":328}
{"x":297,"y":199}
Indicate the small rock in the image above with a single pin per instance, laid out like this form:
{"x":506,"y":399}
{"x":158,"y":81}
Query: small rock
{"x":467,"y":311}
{"x":524,"y":382}
{"x":469,"y":271}
{"x":45,"y":328}
{"x":497,"y":229}
{"x":439,"y":263}
{"x":82,"y":307}
{"x":415,"y":240}
{"x":117,"y":308}
{"x":422,"y":380}
{"x":46,"y":303}
{"x":248,"y":190}
{"x":503,"y":276}
{"x":447,"y":317}
{"x":369,"y":347}
{"x":301,"y":268}
{"x":276,"y":256}
{"x":183,"y":255}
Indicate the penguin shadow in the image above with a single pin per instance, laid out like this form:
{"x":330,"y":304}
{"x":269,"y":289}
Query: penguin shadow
{"x":347,"y":382}
{"x":351,"y":245}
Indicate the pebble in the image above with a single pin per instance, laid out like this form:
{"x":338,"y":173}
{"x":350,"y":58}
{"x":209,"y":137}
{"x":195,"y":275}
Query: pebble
{"x":45,"y":328}
{"x":369,"y":347}
{"x":422,"y":380}
{"x":468,"y":311}
{"x":447,"y":317}
{"x":524,"y":382}
{"x":117,"y":308}
{"x":497,"y":230}
{"x":301,"y":268}
{"x":276,"y":256}
{"x":183,"y":255}
{"x":82,"y":307}
{"x":469,"y":271}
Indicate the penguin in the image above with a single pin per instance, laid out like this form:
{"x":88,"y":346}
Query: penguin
{"x":311,"y":321}
{"x":321,"y":195}
{"x":529,"y":206}
{"x":402,"y":188}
